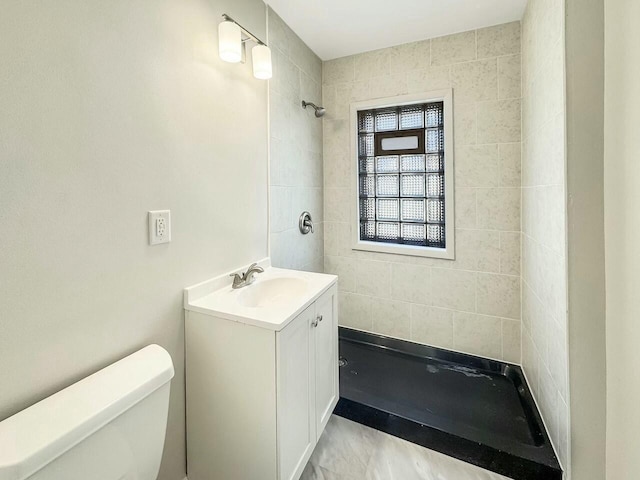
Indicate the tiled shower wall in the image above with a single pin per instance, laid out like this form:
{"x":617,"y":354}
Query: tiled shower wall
{"x":470,"y":304}
{"x":295,"y":150}
{"x":544,"y":277}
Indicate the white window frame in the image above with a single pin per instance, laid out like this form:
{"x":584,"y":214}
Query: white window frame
{"x":445,"y":96}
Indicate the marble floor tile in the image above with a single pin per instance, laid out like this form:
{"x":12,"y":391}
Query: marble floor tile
{"x":345,"y":448}
{"x":350,"y":451}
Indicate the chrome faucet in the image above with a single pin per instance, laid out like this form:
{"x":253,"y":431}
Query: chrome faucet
{"x":247,"y":278}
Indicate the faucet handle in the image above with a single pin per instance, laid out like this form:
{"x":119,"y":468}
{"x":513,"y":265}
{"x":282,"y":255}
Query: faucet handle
{"x":305,"y":223}
{"x":237,"y":279}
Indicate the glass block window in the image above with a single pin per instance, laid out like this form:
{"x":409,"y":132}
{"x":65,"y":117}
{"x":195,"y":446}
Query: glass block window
{"x":401,"y":175}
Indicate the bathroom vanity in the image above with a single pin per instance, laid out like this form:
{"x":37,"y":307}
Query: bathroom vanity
{"x":261,"y":373}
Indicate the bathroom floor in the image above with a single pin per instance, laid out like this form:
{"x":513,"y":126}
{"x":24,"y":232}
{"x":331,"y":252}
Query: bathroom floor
{"x":350,"y":451}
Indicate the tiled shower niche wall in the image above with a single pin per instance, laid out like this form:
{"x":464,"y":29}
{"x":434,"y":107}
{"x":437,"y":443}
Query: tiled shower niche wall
{"x":470,"y":304}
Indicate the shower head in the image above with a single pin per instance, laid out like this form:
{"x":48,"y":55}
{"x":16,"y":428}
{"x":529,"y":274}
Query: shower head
{"x":320,"y":111}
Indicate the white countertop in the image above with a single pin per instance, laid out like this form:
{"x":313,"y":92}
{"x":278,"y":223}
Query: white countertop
{"x":215,"y":297}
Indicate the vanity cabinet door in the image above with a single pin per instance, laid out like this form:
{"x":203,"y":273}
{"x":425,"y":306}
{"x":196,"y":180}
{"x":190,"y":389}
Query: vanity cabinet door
{"x":325,"y":362}
{"x":296,"y":435}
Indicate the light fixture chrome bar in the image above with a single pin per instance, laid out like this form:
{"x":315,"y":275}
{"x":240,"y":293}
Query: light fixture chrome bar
{"x":244,"y":30}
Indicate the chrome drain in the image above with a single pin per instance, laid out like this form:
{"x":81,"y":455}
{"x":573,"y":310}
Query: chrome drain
{"x":342,"y":362}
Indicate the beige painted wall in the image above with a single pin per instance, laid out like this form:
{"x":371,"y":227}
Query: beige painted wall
{"x":622,"y":207}
{"x":585,"y":236}
{"x":471,"y":304}
{"x":111,"y":109}
{"x":544,"y":280}
{"x":296,"y":150}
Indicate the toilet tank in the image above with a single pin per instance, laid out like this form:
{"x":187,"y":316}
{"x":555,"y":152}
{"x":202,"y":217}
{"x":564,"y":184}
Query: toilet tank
{"x":108,"y":426}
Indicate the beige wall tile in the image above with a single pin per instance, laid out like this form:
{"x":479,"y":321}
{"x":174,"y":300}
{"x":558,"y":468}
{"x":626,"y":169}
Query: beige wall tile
{"x":281,"y":109}
{"x":510,"y":253}
{"x":345,"y":268}
{"x":525,"y":298}
{"x":477,"y":250}
{"x":306,"y":198}
{"x":428,"y":79}
{"x":509,"y":82}
{"x":329,"y":100}
{"x":499,"y":208}
{"x":279,"y":33}
{"x":530,"y":361}
{"x":432,"y":326}
{"x":498,"y":295}
{"x":280,"y":206}
{"x":548,"y":402}
{"x":311,"y":88}
{"x":538,"y":322}
{"x":460,"y":47}
{"x":336,"y":139}
{"x":475,"y":81}
{"x":410,"y":283}
{"x":388,"y":86}
{"x":477,"y":334}
{"x":511,"y":341}
{"x":374,"y":278}
{"x":410,"y":56}
{"x":544,"y":153}
{"x":355,"y":311}
{"x":339,"y":70}
{"x":477,"y":166}
{"x":544,"y":216}
{"x":316,"y":266}
{"x":279,"y":246}
{"x":465,"y":124}
{"x":286,"y":76}
{"x":302,"y":56}
{"x":347,"y":93}
{"x":338,"y":239}
{"x":510,"y":164}
{"x":499,"y":40}
{"x":372,"y":64}
{"x":499,"y":122}
{"x":337,"y":206}
{"x":563,"y":432}
{"x":337,"y":170}
{"x":455,"y":289}
{"x":465,"y":216}
{"x":557,"y":357}
{"x":391,"y":318}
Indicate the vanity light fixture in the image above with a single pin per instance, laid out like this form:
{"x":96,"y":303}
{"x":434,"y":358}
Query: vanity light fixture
{"x":232,"y":38}
{"x":230,"y":42}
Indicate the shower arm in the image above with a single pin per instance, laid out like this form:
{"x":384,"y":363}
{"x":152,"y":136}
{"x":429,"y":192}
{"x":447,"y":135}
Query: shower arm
{"x":319,"y":111}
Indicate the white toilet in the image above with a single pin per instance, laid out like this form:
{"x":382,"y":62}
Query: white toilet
{"x":108,"y":426}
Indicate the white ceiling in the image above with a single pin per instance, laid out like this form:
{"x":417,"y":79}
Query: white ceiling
{"x":335,"y":28}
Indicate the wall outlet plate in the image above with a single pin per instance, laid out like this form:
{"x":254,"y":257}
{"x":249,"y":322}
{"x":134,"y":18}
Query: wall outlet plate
{"x":159,"y":227}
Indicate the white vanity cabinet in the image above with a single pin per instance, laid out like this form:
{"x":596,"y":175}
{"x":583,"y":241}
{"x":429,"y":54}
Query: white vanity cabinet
{"x":258,"y":398}
{"x":307,"y":383}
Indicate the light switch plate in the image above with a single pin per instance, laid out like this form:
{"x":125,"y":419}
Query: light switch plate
{"x":159,"y":227}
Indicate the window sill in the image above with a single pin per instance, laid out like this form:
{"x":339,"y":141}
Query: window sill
{"x":408,"y":250}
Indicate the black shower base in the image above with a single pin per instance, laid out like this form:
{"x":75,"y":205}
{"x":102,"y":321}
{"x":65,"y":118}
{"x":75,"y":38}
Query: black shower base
{"x":474,"y":409}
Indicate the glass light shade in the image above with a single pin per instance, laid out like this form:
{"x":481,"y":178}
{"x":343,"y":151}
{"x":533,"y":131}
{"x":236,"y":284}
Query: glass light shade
{"x":261,"y":55}
{"x":229,"y":42}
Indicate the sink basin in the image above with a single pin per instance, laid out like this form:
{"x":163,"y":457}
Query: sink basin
{"x":273,"y":292}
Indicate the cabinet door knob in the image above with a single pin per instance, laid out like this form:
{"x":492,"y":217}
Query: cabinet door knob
{"x":314,"y":323}
{"x":319,"y":318}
